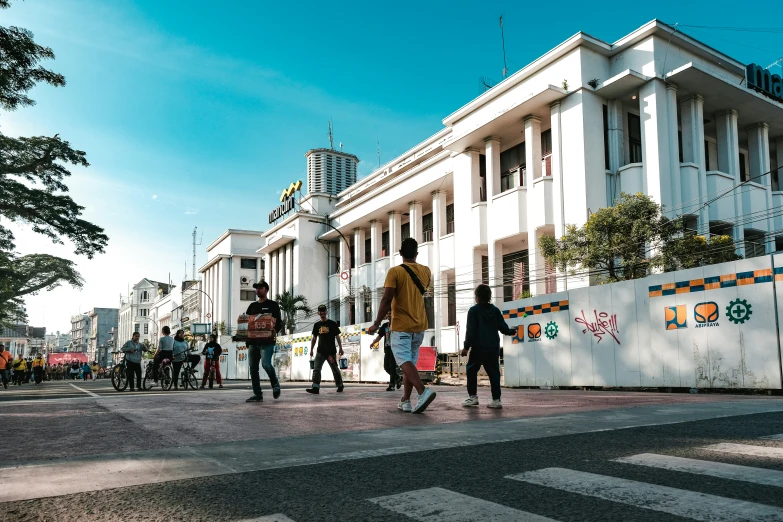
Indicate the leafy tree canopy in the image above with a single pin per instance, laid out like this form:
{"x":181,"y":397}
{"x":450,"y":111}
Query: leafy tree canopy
{"x":631,"y":239}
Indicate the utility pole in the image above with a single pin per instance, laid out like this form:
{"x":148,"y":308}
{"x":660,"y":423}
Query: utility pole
{"x":193,"y":274}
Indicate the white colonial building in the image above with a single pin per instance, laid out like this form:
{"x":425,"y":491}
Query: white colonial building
{"x":135,"y":309}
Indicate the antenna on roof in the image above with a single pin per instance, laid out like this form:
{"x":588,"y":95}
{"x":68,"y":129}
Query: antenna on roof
{"x":194,"y":254}
{"x":503,"y":41}
{"x":331,"y":136}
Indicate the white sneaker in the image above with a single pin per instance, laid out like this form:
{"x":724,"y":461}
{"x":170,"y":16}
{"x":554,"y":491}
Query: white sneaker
{"x":404,"y":406}
{"x":152,"y":385}
{"x":495,"y":404}
{"x":424,"y":400}
{"x":471,"y":401}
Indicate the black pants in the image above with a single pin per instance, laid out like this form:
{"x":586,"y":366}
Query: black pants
{"x":489,"y":359}
{"x":390,"y":365}
{"x":18,"y":377}
{"x":132,"y":370}
{"x":177,"y":367}
{"x":38,"y":373}
{"x":163,"y":354}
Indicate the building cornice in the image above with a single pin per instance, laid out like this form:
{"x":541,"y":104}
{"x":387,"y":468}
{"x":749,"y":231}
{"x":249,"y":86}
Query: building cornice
{"x":236,"y":231}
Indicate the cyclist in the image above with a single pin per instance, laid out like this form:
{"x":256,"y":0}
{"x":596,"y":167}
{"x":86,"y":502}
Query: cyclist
{"x":165,"y":351}
{"x":180,"y":351}
{"x":211,"y":353}
{"x":133,"y":350}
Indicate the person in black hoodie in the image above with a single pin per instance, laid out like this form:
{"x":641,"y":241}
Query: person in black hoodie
{"x":484,"y":322}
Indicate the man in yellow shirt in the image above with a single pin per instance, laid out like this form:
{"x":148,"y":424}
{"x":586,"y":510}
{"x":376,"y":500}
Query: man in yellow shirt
{"x":38,"y":368}
{"x":20,"y":367}
{"x":403,"y":294}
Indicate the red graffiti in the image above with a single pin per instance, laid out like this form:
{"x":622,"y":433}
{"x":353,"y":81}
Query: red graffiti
{"x":604,"y":324}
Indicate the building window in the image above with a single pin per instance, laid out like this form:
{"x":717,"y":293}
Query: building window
{"x":247,"y":295}
{"x":426,"y":222}
{"x":146,"y":328}
{"x":429,"y":307}
{"x":483,"y":175}
{"x":606,"y":137}
{"x":635,"y":138}
{"x":512,"y":167}
{"x":679,"y":144}
{"x":546,"y":152}
{"x":516,"y":276}
{"x":405,"y":231}
{"x":743,"y":170}
{"x":145,"y":296}
{"x":136,"y":328}
{"x":385,"y":244}
{"x":452,"y":303}
{"x":335,"y":305}
{"x":248,"y":263}
{"x":485,"y":270}
{"x":353,"y":256}
{"x":368,"y":250}
{"x":707,"y":155}
{"x":143,"y":312}
{"x":450,"y":219}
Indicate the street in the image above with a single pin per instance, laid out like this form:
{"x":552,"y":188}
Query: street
{"x":92,"y":453}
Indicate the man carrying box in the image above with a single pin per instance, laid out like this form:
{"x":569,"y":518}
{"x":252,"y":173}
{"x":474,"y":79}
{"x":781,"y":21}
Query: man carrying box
{"x":263,"y":326}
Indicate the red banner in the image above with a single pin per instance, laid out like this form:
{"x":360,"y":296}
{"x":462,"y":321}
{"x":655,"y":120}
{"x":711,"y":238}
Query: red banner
{"x":428,"y":355}
{"x":67,"y":358}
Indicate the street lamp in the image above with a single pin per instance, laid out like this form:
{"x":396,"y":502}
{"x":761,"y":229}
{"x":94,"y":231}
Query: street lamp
{"x":348,"y":244}
{"x":212,"y":307}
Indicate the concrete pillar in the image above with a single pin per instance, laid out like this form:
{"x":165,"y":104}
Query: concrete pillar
{"x":273,"y":273}
{"x":492,"y":146}
{"x":345,"y":284}
{"x":439,"y":293}
{"x":758,"y":151}
{"x":376,"y":232}
{"x":495,"y":255}
{"x":395,"y":233}
{"x":533,"y":172}
{"x":728,"y":163}
{"x":295,"y":267}
{"x":358,"y":241}
{"x":558,"y":188}
{"x":692,"y":116}
{"x":285,"y":269}
{"x":467,"y":183}
{"x":656,"y":145}
{"x":415,"y":220}
{"x":616,"y":135}
{"x":674,"y":152}
{"x":779,"y":157}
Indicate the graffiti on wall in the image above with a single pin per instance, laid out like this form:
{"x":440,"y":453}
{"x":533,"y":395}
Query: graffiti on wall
{"x":602,"y":325}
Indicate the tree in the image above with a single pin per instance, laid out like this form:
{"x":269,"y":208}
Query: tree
{"x":32,"y":188}
{"x":631,"y":239}
{"x":290,"y":306}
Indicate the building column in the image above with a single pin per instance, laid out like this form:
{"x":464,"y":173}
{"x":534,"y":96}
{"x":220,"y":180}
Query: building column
{"x":467,"y":184}
{"x":285,"y":269}
{"x":758,"y":151}
{"x":495,"y":254}
{"x":558,"y":189}
{"x":778,"y":176}
{"x":674,"y":207}
{"x":692,"y":114}
{"x":728,"y":163}
{"x":273,"y":282}
{"x":293,"y":264}
{"x":416,"y":224}
{"x":656,"y":145}
{"x":345,"y":284}
{"x":533,"y":172}
{"x":358,"y":241}
{"x":395,"y":233}
{"x":359,"y":282}
{"x":376,"y":231}
{"x":439,"y":293}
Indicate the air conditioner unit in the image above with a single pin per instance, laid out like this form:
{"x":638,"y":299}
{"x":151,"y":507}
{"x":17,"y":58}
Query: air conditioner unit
{"x":244,"y":280}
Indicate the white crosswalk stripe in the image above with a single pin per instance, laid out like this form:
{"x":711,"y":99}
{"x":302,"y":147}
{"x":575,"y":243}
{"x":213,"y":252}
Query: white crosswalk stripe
{"x":438,"y":504}
{"x":777,"y":436}
{"x":767,"y":477}
{"x":688,"y":504}
{"x":746,"y":449}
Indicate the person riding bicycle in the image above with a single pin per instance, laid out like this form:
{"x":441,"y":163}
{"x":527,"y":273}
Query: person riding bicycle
{"x":133,"y":350}
{"x":211,"y":353}
{"x":180,"y":351}
{"x":165,"y":351}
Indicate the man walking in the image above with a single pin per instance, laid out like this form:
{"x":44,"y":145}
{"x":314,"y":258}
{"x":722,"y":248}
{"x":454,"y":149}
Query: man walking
{"x":38,"y":368}
{"x":133,"y":351}
{"x":325,"y":332}
{"x":403,"y":294}
{"x":5,"y":365}
{"x":260,"y":350}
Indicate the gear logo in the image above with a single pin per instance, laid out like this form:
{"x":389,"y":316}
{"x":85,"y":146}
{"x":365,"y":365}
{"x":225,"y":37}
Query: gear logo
{"x":550,"y":330}
{"x":739,"y":311}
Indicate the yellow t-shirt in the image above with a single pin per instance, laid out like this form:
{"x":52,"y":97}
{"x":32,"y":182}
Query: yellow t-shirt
{"x":408,"y":314}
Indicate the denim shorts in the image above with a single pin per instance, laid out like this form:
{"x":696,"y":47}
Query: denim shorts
{"x":405,"y":346}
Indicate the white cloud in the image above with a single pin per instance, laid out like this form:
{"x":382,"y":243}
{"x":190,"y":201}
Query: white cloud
{"x":191,"y":212}
{"x":154,"y":196}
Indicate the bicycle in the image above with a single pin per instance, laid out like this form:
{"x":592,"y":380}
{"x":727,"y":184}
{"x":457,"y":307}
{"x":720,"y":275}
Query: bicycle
{"x":165,"y":375}
{"x":189,"y":375}
{"x":119,"y":375}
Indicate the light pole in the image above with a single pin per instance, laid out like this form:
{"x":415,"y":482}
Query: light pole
{"x":348,"y":244}
{"x":212,"y":306}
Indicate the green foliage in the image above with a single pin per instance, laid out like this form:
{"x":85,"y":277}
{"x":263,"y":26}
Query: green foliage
{"x":290,"y":306}
{"x":631,"y":239}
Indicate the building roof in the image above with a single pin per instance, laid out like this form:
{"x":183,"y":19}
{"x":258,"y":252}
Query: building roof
{"x":333,"y":151}
{"x":237,"y":231}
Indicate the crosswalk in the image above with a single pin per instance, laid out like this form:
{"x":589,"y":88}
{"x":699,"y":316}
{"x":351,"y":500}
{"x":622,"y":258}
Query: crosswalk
{"x":436,"y":504}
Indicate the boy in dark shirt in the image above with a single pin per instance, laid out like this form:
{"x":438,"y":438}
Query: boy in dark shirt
{"x":211,"y":353}
{"x":261,"y":350}
{"x":484,"y":322}
{"x":325,"y":332}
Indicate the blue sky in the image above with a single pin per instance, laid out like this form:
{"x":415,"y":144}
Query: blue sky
{"x":194,"y":113}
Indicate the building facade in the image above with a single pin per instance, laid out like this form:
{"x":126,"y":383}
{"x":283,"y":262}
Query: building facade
{"x":21,"y":339}
{"x":330,"y":171}
{"x":656,"y":112}
{"x":80,"y":333}
{"x":102,"y":321}
{"x":57,"y":342}
{"x":134,"y":310}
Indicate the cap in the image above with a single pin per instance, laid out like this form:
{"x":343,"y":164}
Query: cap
{"x":321,"y":308}
{"x":262,"y":284}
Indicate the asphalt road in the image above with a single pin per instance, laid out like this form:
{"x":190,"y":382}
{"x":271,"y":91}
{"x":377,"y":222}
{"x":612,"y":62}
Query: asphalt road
{"x":560,"y":467}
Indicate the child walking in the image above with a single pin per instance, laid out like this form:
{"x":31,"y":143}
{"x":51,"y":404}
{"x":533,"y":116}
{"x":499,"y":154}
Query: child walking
{"x":484,"y":322}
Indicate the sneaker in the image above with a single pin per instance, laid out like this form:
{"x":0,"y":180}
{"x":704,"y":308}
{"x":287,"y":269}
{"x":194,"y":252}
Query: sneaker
{"x":399,"y":383}
{"x":495,"y":404}
{"x":390,"y":388}
{"x":404,"y":406}
{"x":220,"y":386}
{"x":340,"y":389}
{"x":201,"y":387}
{"x":256,"y":398}
{"x":152,"y":385}
{"x":276,"y":393}
{"x":424,"y":400}
{"x":471,"y":401}
{"x":313,"y":390}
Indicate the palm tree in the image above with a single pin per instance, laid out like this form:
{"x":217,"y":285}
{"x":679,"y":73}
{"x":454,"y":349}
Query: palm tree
{"x":290,"y":306}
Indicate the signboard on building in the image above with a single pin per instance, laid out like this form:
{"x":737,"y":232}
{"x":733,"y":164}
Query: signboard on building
{"x":287,"y":202}
{"x":763,"y":81}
